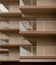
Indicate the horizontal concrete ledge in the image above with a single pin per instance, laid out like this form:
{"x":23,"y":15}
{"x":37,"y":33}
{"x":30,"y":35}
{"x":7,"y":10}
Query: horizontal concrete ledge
{"x":38,"y":57}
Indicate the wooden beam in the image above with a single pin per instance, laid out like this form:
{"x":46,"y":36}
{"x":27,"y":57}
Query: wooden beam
{"x":14,"y":45}
{"x":36,"y":10}
{"x":9,"y":60}
{"x":38,"y":57}
{"x":4,"y":50}
{"x":10,"y":14}
{"x":9,"y":1}
{"x":8,"y":30}
{"x":38,"y":33}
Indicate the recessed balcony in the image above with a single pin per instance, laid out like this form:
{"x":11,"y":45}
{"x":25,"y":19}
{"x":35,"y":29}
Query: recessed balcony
{"x":37,"y":2}
{"x":37,"y":27}
{"x":37,"y":53}
{"x":38,"y":7}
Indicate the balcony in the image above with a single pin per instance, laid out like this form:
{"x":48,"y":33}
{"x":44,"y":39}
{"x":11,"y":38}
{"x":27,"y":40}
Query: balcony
{"x":37,"y":7}
{"x":38,"y":27}
{"x":37,"y":52}
{"x":9,"y":27}
{"x":38,"y":10}
{"x":37,"y":3}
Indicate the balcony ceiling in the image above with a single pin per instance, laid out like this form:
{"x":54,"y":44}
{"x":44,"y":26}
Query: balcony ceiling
{"x":34,"y":10}
{"x":9,"y":1}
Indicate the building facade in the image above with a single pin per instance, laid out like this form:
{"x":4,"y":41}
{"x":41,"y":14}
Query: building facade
{"x":28,"y":30}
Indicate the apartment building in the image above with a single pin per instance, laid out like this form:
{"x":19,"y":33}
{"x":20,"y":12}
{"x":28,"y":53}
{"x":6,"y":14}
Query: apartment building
{"x":27,"y":30}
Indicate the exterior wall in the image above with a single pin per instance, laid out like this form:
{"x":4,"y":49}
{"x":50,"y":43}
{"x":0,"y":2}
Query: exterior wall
{"x":3,"y":36}
{"x":29,"y":40}
{"x":13,"y":54}
{"x":9,"y":24}
{"x":14,"y":7}
{"x":14,"y":24}
{"x":13,"y":39}
{"x":44,"y":46}
{"x":14,"y":51}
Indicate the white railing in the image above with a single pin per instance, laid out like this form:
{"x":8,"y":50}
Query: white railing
{"x":4,"y":56}
{"x":34,"y":51}
{"x":28,"y":2}
{"x":38,"y":2}
{"x":38,"y":25}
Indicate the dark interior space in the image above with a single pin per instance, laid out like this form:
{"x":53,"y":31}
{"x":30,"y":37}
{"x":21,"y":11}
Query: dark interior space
{"x":28,"y":63}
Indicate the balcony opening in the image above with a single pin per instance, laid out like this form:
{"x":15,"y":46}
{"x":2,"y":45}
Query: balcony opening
{"x":28,"y":2}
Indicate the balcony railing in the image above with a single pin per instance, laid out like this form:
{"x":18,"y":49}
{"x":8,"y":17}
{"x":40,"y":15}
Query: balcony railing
{"x":4,"y":56}
{"x":4,"y":41}
{"x":38,"y":2}
{"x":38,"y":51}
{"x":37,"y":26}
{"x":9,"y":25}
